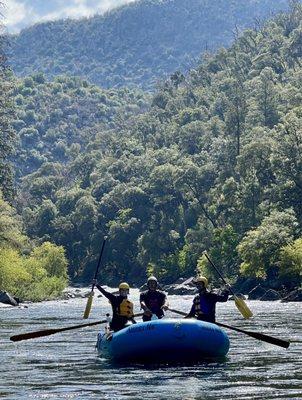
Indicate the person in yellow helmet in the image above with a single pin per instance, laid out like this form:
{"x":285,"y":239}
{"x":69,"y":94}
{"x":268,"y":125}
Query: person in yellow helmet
{"x":204,"y":304}
{"x":122,"y":308}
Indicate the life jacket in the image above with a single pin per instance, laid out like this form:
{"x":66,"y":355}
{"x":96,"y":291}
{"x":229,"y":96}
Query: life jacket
{"x":205,"y":305}
{"x":125,"y":309}
{"x":197,"y":307}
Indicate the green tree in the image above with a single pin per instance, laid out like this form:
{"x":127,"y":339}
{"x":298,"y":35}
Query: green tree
{"x":260,"y":247}
{"x":290,"y":263}
{"x":11,"y":235}
{"x":52,"y":258}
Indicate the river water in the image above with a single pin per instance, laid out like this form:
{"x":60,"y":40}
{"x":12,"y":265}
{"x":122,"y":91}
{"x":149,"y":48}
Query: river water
{"x":67,"y":366}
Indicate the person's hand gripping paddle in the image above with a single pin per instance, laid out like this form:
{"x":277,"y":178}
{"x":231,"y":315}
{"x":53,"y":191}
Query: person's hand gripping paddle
{"x":240,"y":303}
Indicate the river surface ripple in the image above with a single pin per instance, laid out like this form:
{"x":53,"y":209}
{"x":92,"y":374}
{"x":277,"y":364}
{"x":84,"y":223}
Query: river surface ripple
{"x":67,"y":366}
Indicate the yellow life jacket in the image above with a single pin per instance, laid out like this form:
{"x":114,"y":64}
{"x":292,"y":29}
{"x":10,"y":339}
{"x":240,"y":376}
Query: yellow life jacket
{"x":125,"y":309}
{"x":197,"y":308}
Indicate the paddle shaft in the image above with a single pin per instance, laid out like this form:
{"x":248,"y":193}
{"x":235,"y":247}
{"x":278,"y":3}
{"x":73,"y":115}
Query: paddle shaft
{"x":48,"y":332}
{"x":219,"y":273}
{"x":99,"y":261}
{"x":90,"y":298}
{"x":260,"y":336}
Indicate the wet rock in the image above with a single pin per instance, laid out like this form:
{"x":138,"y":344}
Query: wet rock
{"x":246,"y":285}
{"x":189,"y":282}
{"x":179,"y":281}
{"x":67,"y":296}
{"x":270,"y":295}
{"x":295,"y":295}
{"x":6,"y":298}
{"x":181,"y":286}
{"x":182,"y":289}
{"x":75,"y":293}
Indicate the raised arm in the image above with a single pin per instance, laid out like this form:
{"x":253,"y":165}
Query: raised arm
{"x":223,"y":296}
{"x":109,"y":295}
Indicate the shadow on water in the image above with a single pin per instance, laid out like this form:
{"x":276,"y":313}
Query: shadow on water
{"x":208,"y":365}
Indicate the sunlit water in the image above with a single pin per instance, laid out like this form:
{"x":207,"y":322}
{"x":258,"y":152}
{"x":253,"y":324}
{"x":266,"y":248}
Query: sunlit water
{"x":67,"y":366}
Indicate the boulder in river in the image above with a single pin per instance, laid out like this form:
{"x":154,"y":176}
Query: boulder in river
{"x":256,"y":293}
{"x":182,"y":289}
{"x":270,"y":295}
{"x":75,"y":293}
{"x":6,"y":298}
{"x":186,"y":287}
{"x":295,"y":295}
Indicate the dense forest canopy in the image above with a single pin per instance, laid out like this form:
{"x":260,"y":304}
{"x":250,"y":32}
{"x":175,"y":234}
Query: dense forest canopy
{"x":7,"y":137}
{"x":55,"y":120}
{"x":214,"y":163}
{"x":137,"y":44}
{"x":29,"y":271}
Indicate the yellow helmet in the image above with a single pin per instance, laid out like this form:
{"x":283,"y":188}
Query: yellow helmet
{"x":124,"y":285}
{"x":200,"y":279}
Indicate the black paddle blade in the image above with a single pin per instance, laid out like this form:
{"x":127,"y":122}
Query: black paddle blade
{"x":260,"y":336}
{"x":47,"y":332}
{"x":33,"y":335}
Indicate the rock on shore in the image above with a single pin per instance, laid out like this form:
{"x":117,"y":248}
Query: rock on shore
{"x":6,"y":298}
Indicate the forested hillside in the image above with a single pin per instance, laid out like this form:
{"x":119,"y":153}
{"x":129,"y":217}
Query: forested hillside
{"x":29,"y":271}
{"x":56,"y":120}
{"x":136,"y":44}
{"x":215,"y":163}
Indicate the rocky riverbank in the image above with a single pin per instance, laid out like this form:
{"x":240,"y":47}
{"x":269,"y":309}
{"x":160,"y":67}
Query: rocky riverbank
{"x":180,"y":287}
{"x":257,"y":292}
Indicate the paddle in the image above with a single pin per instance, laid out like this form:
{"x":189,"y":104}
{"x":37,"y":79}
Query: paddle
{"x":255,"y":335}
{"x":47,"y":332}
{"x":90,"y":298}
{"x":240,"y":303}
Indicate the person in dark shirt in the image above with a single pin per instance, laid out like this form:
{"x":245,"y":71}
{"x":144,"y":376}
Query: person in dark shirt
{"x":204,"y":304}
{"x":153,"y":301}
{"x":122,"y":308}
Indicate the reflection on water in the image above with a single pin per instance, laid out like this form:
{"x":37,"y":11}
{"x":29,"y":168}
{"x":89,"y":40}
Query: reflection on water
{"x":67,"y":366}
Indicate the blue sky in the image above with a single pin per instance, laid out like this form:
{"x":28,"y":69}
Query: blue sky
{"x":19,"y":14}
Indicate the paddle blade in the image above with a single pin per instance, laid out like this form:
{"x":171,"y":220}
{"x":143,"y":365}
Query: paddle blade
{"x":260,"y":336}
{"x":33,"y":335}
{"x":243,"y":308}
{"x":88,"y":306}
{"x":47,"y":332}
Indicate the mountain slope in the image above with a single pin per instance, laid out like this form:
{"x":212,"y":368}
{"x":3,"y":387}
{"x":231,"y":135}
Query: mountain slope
{"x":135,"y":44}
{"x":215,"y":164}
{"x":55,"y":120}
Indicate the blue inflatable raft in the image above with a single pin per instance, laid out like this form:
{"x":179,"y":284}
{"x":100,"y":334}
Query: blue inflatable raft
{"x":170,"y":340}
